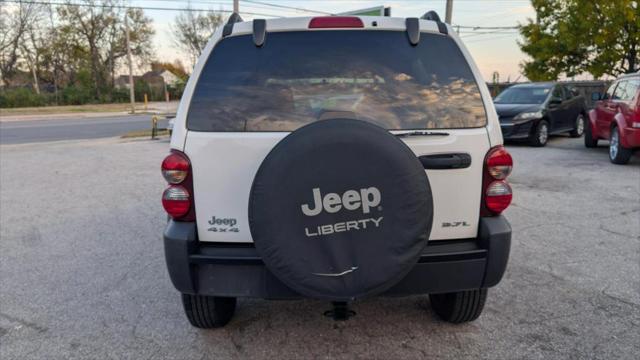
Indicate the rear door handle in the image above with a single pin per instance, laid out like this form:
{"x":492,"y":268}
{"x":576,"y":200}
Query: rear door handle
{"x":446,"y":161}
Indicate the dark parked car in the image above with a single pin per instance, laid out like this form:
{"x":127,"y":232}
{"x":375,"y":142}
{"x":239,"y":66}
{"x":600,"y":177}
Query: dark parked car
{"x":536,"y":110}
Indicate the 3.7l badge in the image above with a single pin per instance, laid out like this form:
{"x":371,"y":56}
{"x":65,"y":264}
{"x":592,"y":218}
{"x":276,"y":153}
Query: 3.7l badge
{"x":455,"y":224}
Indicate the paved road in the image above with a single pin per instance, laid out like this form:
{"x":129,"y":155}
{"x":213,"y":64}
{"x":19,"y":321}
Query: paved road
{"x":27,"y":131}
{"x":82,"y":271}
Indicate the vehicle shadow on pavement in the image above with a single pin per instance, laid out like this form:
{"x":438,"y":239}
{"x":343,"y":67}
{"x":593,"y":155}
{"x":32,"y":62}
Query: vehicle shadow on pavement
{"x":382,"y":328}
{"x":566,"y":143}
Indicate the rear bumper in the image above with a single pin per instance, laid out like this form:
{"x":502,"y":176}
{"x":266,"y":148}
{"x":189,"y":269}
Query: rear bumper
{"x":514,"y":131}
{"x":238,"y":271}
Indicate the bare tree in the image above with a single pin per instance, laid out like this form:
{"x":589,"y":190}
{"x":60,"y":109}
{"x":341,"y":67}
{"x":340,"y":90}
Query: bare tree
{"x":37,"y":38}
{"x":13,"y":27}
{"x":192,"y":29}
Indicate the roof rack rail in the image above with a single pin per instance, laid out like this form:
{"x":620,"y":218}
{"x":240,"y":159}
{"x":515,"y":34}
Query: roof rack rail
{"x":228,"y":27}
{"x":433,"y":16}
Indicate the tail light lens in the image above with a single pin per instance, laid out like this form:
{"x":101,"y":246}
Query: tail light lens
{"x":499,"y":163}
{"x":175,"y":168}
{"x":325,"y":22}
{"x":177,"y":199}
{"x":496,"y":194}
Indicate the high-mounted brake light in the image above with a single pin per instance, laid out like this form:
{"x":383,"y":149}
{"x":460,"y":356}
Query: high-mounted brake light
{"x":177,"y":199}
{"x":496,"y":192}
{"x":326,"y":22}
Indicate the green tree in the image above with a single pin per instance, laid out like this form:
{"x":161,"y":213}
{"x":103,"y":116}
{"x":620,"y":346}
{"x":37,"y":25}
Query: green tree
{"x":95,"y":31}
{"x":571,"y":37}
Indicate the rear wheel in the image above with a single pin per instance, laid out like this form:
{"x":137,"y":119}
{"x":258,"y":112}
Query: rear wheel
{"x":578,"y":130}
{"x":459,"y":307}
{"x":208,"y":312}
{"x":589,"y":141}
{"x":617,"y":153}
{"x":540,"y":134}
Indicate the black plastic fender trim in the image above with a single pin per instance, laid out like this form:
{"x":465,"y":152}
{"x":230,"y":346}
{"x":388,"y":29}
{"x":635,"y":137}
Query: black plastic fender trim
{"x":180,"y":241}
{"x":494,"y":235}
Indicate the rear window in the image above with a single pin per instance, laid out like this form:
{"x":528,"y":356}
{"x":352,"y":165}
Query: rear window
{"x":295,"y":77}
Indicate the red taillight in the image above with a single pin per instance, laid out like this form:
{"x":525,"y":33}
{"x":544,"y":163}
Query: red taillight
{"x":325,"y":22}
{"x":499,"y":163}
{"x":175,"y":168}
{"x":177,"y":200}
{"x":496,"y":194}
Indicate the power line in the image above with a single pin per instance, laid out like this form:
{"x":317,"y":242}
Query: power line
{"x":490,"y":32}
{"x":286,"y":7}
{"x":134,"y":7}
{"x":41,"y":2}
{"x":267,"y":6}
{"x":206,"y":2}
{"x":504,"y":36}
{"x":486,"y":27}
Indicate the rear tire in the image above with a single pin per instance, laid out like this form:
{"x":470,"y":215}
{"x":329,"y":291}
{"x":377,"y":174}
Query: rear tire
{"x":618,"y":154}
{"x":459,"y":307}
{"x":208,"y":312}
{"x":578,"y":130}
{"x":589,"y":141}
{"x":540,"y":134}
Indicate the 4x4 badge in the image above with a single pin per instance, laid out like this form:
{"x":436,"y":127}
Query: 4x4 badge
{"x":223,"y":225}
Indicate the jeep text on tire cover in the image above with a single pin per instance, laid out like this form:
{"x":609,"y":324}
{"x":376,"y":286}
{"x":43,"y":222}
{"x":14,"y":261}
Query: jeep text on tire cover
{"x":350,"y":200}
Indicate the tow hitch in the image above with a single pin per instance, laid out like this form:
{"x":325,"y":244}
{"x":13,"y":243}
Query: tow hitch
{"x":340,"y":311}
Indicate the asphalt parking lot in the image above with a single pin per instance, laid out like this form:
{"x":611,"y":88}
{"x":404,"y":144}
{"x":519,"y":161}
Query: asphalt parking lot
{"x":82,"y":271}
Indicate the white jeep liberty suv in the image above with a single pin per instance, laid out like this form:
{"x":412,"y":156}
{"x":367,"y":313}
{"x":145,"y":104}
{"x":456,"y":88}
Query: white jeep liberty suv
{"x":336,"y":158}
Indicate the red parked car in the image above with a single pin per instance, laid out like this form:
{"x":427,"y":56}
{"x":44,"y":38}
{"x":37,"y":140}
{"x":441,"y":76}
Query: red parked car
{"x":616,"y":117}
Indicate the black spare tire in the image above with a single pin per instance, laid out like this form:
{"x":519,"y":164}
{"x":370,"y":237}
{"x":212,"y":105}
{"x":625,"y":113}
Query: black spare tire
{"x":340,"y":209}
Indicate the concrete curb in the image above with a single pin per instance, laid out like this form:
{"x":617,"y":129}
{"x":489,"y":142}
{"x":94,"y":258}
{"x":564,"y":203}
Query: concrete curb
{"x":68,"y":116}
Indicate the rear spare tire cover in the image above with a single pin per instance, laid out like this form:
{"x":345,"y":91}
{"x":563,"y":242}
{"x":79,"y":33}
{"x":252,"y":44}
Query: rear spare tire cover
{"x":340,"y":209}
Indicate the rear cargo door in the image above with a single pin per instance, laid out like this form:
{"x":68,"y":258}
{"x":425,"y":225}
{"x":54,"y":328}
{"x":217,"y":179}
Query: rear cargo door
{"x":248,"y":98}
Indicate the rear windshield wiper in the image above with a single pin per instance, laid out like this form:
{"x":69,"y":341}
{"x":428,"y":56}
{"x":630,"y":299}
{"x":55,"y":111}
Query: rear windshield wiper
{"x":421,"y":133}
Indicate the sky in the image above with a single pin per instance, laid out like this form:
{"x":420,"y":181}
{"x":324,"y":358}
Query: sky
{"x":493,"y":50}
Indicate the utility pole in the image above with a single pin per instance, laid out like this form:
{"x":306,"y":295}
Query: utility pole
{"x":447,"y":16}
{"x":236,"y":6}
{"x":132,"y":94}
